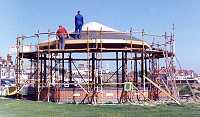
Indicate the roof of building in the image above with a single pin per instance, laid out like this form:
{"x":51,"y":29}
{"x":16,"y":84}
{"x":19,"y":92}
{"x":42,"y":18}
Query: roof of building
{"x":95,"y":26}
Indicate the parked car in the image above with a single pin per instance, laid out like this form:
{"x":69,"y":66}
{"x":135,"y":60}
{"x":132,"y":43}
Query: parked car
{"x":7,"y":82}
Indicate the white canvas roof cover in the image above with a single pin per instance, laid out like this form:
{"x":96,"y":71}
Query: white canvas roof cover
{"x":95,"y":26}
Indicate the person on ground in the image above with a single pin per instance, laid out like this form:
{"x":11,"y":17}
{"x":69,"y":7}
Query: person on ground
{"x":62,"y":34}
{"x":78,"y":25}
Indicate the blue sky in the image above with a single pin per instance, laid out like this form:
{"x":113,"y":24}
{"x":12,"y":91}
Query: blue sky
{"x":157,"y":16}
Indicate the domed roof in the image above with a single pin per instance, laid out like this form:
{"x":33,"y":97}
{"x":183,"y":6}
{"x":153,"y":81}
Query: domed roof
{"x":95,"y":26}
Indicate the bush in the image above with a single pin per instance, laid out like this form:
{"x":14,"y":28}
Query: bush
{"x":185,"y":90}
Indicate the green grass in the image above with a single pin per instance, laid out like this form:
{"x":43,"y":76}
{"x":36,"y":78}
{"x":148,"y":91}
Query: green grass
{"x":14,"y":108}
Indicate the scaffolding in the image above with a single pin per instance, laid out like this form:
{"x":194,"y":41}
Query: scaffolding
{"x":51,"y":74}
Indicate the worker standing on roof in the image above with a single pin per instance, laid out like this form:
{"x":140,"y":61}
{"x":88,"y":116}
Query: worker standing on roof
{"x":62,"y":34}
{"x":78,"y":25}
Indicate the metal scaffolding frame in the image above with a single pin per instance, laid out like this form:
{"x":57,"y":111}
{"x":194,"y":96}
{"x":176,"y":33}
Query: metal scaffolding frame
{"x":49,"y":69}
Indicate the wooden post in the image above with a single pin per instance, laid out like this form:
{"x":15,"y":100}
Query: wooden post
{"x":136,"y":70}
{"x":117,"y":74}
{"x":45,"y":68}
{"x":93,"y":70}
{"x":63,"y":69}
{"x":70,"y":67}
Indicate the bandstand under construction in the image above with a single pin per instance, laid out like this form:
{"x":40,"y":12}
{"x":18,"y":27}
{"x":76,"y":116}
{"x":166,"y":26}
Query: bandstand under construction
{"x":140,"y":70}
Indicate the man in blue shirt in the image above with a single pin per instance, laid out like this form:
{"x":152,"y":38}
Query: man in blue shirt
{"x":78,"y":25}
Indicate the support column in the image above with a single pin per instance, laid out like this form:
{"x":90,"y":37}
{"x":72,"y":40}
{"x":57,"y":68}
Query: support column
{"x":93,"y":69}
{"x":51,"y":69}
{"x":142,"y":69}
{"x":136,"y":70}
{"x":126,"y":67}
{"x":56,"y":68}
{"x":31,"y":70}
{"x":70,"y":67}
{"x":123,"y":70}
{"x":145,"y":65}
{"x":41,"y":73}
{"x":117,"y":75}
{"x":63,"y":69}
{"x":124,"y":76}
{"x":45,"y":68}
